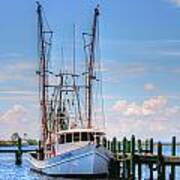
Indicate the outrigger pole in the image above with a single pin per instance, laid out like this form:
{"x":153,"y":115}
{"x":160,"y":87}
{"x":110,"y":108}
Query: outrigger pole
{"x":91,"y":66}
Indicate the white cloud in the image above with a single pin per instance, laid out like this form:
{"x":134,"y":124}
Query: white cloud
{"x":161,"y":125}
{"x":149,"y":87}
{"x":176,"y":2}
{"x":16,"y":112}
{"x":148,"y":107}
{"x":18,"y":70}
{"x":19,"y":96}
{"x":18,"y":92}
{"x":18,"y":119}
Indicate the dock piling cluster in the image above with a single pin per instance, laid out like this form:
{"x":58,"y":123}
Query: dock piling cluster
{"x":131,"y":156}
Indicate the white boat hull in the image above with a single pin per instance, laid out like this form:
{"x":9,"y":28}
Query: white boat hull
{"x":89,"y":160}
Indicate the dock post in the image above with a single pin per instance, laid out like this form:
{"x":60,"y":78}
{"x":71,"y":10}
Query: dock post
{"x":173,"y":153}
{"x":139,"y":163}
{"x":119,"y":146}
{"x":128,"y":147}
{"x":104,"y":142}
{"x":151,"y":146}
{"x":133,"y":144}
{"x":128,"y":162}
{"x":163,"y":176}
{"x":146,"y":146}
{"x":109,"y":145}
{"x":151,"y":165}
{"x":161,"y":164}
{"x":124,"y":173}
{"x":114,"y":169}
{"x":18,"y":153}
{"x":139,"y":146}
{"x":114,"y":145}
{"x":115,"y":165}
{"x":41,"y":154}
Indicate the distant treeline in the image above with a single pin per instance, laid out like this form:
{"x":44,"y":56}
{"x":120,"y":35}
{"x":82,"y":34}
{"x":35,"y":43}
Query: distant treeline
{"x":13,"y":143}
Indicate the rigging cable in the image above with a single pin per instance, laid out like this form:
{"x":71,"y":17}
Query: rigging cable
{"x":101,"y":76}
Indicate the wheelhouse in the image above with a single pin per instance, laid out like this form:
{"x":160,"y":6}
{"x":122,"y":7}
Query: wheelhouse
{"x":79,"y":135}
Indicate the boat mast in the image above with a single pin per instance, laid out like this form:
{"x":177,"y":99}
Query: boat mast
{"x":91,"y":66}
{"x":43,"y":70}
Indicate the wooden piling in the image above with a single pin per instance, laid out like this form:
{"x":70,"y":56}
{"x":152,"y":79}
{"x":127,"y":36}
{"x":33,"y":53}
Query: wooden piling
{"x":139,"y":170}
{"x":41,"y":154}
{"x":161,"y":164}
{"x":128,"y":146}
{"x":124,"y":172}
{"x":132,"y":155}
{"x":109,"y":145}
{"x":119,"y":146}
{"x":114,"y":169}
{"x":146,"y":146}
{"x":173,"y":153}
{"x":104,"y":142}
{"x":114,"y":145}
{"x":151,"y":146}
{"x":139,"y":149}
{"x":159,"y":158}
{"x":128,"y":162}
{"x":18,"y":153}
{"x":139,"y":146}
{"x":151,"y":165}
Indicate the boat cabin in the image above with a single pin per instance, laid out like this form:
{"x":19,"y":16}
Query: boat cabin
{"x":80,"y":135}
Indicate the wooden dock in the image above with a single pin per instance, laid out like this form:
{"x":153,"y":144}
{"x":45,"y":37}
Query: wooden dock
{"x":18,"y":151}
{"x":131,"y":155}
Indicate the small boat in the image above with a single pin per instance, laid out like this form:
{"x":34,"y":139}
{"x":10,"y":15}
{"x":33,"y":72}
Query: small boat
{"x":70,"y":145}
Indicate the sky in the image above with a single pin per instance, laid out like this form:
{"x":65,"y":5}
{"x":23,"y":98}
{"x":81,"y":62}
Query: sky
{"x":139,"y":47}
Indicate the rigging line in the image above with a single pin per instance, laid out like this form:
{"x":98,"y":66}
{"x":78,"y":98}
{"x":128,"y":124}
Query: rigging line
{"x":49,"y":47}
{"x":45,"y":18}
{"x":74,"y":71}
{"x":79,"y":107}
{"x":39,"y":24}
{"x":74,"y":49}
{"x":100,"y":74}
{"x":74,"y":59}
{"x":82,"y":102}
{"x":85,"y":75}
{"x":62,"y":59}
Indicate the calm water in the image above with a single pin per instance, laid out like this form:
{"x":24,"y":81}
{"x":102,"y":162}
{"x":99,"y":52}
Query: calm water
{"x":9,"y":171}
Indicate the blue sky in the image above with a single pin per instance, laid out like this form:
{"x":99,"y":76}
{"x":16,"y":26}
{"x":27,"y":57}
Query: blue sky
{"x":140,"y":53}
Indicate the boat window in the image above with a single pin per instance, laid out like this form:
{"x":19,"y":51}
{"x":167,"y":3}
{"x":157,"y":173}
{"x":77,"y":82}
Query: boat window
{"x":76,"y":137}
{"x":61,"y":139}
{"x":84,"y":136}
{"x":68,"y":138}
{"x":91,"y":136}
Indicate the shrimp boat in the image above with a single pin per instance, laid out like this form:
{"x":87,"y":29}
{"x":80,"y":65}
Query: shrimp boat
{"x":70,"y":144}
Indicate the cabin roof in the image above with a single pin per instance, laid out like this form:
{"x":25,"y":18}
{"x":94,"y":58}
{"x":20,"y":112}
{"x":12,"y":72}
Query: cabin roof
{"x":99,"y":131}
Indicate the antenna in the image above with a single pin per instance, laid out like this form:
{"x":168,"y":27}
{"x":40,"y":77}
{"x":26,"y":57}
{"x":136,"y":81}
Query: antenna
{"x":62,"y":59}
{"x":74,"y":49}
